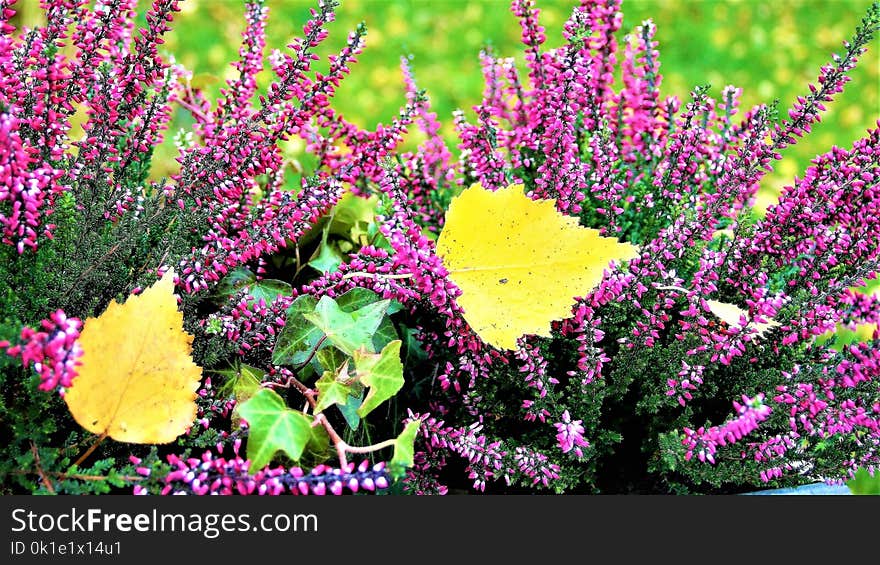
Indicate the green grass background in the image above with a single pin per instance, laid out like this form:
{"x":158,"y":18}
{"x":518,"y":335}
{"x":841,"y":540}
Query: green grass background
{"x":769,"y":49}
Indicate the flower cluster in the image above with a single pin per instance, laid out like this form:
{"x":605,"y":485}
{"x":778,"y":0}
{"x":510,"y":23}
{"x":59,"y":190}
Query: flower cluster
{"x":704,"y":442}
{"x":631,"y":393}
{"x":644,"y":353}
{"x":53,"y":351}
{"x":678,"y":179}
{"x":85,"y":101}
{"x":214,"y":474}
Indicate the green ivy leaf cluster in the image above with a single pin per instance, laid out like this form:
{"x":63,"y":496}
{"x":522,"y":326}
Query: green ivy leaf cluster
{"x":353,"y":344}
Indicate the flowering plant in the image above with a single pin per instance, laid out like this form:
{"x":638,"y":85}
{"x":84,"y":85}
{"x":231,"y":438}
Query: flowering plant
{"x":694,"y":366}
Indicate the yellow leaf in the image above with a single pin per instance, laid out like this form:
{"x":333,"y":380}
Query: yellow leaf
{"x":731,"y":314}
{"x":137,"y":382}
{"x":519,"y":263}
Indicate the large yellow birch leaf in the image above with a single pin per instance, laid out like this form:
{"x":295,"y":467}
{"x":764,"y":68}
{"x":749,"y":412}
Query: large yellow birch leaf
{"x":137,"y":382}
{"x":519,"y":263}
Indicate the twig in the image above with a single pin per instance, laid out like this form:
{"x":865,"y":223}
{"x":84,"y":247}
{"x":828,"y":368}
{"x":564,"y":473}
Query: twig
{"x":90,"y":450}
{"x":77,"y":476}
{"x":292,"y":380}
{"x":337,"y":441}
{"x":341,"y":447}
{"x":193,"y":110}
{"x":312,"y":354}
{"x":46,"y":482}
{"x":91,"y":268}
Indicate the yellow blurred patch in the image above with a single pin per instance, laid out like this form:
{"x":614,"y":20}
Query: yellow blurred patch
{"x":783,"y":74}
{"x":863,"y":333}
{"x":293,"y":147}
{"x":766,"y":198}
{"x":474,"y":12}
{"x":721,"y":37}
{"x":217,"y":54}
{"x":851,"y":116}
{"x":77,"y":120}
{"x":766,"y":90}
{"x":189,"y":7}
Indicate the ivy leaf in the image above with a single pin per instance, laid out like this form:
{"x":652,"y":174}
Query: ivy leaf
{"x":235,"y":374}
{"x":246,"y":386}
{"x":404,"y":448}
{"x":299,"y":336}
{"x":350,"y":408}
{"x":273,"y":427}
{"x":385,"y":334}
{"x":732,"y":315}
{"x":381,"y":372}
{"x":137,"y":382}
{"x":352,"y":217}
{"x":269,"y":290}
{"x":347,"y":331}
{"x":234,"y":281}
{"x":332,"y":389}
{"x":519,"y":263}
{"x":415,"y":353}
{"x":331,"y":359}
{"x":864,"y":483}
{"x":358,"y":297}
{"x":327,"y":258}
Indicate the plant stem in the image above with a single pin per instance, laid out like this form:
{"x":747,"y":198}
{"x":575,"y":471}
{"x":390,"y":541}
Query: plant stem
{"x":370,"y":448}
{"x":91,"y":268}
{"x":46,"y":482}
{"x":90,"y":450}
{"x":337,"y":441}
{"x":312,"y":354}
{"x":76,"y":476}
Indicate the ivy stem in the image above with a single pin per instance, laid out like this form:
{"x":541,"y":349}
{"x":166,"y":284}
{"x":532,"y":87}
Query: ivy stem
{"x":370,"y":448}
{"x":312,"y":354}
{"x":309,"y":393}
{"x":338,"y":442}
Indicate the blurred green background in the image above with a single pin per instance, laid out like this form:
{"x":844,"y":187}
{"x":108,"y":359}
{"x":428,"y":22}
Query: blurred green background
{"x":769,"y":49}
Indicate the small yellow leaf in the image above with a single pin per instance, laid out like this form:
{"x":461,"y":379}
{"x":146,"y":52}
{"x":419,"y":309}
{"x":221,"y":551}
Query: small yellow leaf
{"x":137,"y":382}
{"x":730,"y":314}
{"x":519,"y":263}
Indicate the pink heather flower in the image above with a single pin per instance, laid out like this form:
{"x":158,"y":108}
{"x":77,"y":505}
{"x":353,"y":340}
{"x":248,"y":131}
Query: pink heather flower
{"x":571,"y":435}
{"x":54,"y":352}
{"x":705,"y":442}
{"x":691,"y":377}
{"x":213,"y":474}
{"x":535,"y":466}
